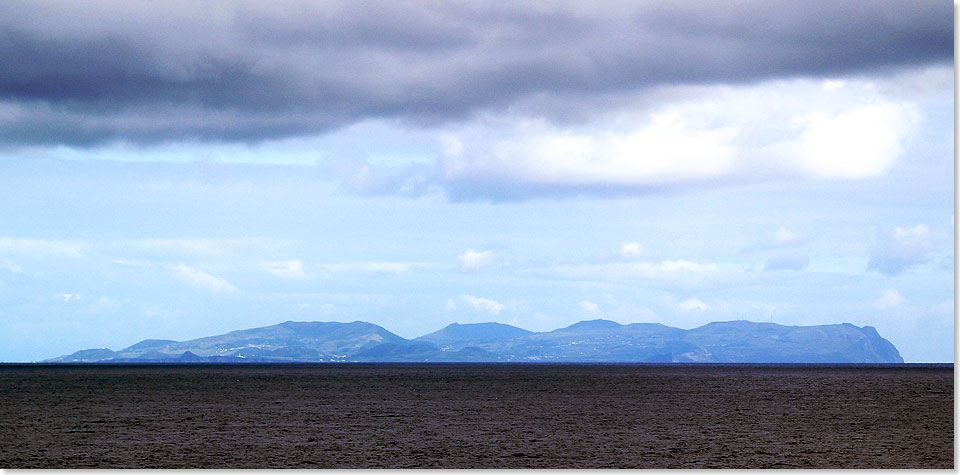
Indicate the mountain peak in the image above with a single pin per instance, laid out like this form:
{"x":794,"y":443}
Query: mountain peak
{"x":591,"y":325}
{"x":149,"y":344}
{"x":466,"y":334}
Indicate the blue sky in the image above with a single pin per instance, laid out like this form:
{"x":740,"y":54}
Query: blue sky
{"x":204,"y":167}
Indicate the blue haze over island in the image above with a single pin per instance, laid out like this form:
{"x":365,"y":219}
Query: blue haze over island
{"x":195,"y":168}
{"x":593,"y":341}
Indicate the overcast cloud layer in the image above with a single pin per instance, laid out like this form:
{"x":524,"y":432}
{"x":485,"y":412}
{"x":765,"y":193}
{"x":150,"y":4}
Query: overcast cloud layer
{"x":85,"y":73}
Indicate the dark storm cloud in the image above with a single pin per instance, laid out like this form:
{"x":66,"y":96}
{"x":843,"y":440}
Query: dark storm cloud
{"x":85,"y":73}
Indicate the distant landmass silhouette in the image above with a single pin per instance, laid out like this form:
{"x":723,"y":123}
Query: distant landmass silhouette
{"x":593,"y":341}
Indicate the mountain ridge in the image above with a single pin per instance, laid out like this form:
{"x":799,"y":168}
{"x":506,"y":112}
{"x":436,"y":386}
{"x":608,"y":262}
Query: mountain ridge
{"x":597,"y":341}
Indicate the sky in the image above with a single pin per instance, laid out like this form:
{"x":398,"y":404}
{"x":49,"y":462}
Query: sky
{"x":184,"y":169}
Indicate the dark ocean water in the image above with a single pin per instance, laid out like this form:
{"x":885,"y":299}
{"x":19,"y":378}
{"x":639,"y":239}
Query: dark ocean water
{"x":476,"y":416}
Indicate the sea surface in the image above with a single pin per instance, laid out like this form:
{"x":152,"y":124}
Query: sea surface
{"x":476,"y":416}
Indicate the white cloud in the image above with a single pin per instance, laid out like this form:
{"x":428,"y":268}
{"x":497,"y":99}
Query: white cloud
{"x":589,"y":308}
{"x":783,"y":236}
{"x":202,"y":280}
{"x":889,"y":298}
{"x":722,"y":134}
{"x":483,"y":304}
{"x":471,"y":260}
{"x":857,"y":143}
{"x":693,"y":303}
{"x":900,"y":250}
{"x":667,"y":149}
{"x":831,"y":84}
{"x":66,"y":297}
{"x":289,"y":269}
{"x":680,"y":272}
{"x":632,"y":250}
{"x":42,"y":247}
{"x":191,"y":276}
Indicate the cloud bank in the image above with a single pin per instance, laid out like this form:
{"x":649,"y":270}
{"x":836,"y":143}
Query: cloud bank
{"x":82,"y":74}
{"x":791,"y":129}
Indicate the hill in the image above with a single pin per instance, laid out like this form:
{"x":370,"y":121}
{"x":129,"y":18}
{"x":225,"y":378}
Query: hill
{"x":457,"y":336}
{"x":587,"y":341}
